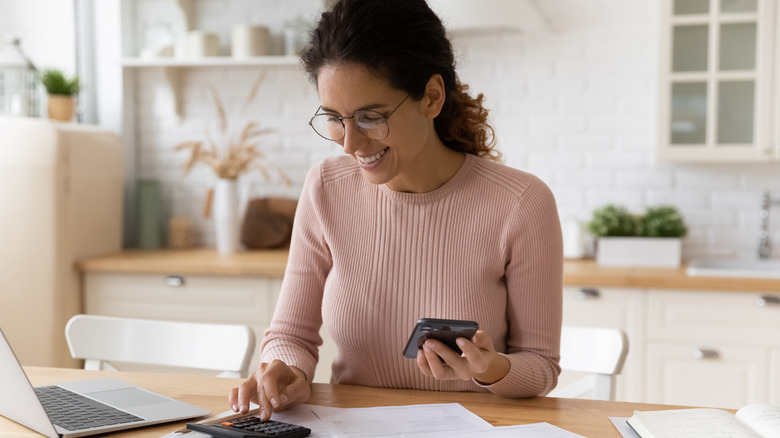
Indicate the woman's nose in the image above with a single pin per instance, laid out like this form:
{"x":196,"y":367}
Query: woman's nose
{"x":353,"y":139}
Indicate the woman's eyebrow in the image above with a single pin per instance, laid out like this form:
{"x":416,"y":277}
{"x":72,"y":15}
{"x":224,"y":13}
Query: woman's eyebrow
{"x":372,"y":106}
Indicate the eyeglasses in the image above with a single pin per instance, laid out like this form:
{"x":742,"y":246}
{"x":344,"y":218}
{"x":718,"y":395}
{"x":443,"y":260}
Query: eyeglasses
{"x":370,"y":123}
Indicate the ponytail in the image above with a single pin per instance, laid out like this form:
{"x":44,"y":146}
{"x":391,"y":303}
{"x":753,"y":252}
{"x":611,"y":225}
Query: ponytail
{"x":462,"y":124}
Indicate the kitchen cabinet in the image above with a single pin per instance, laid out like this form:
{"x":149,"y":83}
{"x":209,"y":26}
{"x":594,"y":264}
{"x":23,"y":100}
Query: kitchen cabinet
{"x":614,"y":308}
{"x":687,"y":347}
{"x":717,"y":80}
{"x":712,"y":374}
{"x":197,"y":298}
{"x":710,"y":348}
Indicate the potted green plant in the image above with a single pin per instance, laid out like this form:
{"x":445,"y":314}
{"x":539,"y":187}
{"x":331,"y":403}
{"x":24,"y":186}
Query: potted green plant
{"x":624,"y":239}
{"x":60,"y":90}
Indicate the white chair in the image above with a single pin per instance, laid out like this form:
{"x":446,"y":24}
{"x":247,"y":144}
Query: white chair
{"x":600,"y":352}
{"x":104,"y":340}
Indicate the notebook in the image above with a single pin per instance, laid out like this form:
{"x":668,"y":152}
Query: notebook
{"x":112,"y":404}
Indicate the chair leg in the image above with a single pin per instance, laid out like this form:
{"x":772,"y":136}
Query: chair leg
{"x":92,"y":364}
{"x":604,"y":388}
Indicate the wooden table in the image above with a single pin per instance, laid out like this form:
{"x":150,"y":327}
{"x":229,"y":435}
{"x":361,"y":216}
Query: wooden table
{"x":584,"y":417}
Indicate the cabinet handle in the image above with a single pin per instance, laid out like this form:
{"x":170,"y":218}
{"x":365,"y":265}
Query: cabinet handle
{"x":173,"y":281}
{"x":586,"y":293}
{"x":705,"y":353}
{"x":767,"y":300}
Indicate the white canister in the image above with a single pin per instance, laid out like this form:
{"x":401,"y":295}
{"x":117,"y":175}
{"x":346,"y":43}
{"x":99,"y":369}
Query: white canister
{"x":250,"y":41}
{"x":201,"y":44}
{"x":573,"y":238}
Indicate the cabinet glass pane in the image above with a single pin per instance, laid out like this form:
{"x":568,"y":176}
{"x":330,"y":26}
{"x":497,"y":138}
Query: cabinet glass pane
{"x":689,"y":48}
{"x":738,"y":5}
{"x":736,"y":112}
{"x":686,"y":7}
{"x":689,"y":113}
{"x":738,"y":46}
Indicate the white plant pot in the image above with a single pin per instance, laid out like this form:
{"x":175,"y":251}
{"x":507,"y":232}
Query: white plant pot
{"x":639,"y":251}
{"x":227,"y":222}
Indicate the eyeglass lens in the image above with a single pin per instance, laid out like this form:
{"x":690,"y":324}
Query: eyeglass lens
{"x":371,"y":123}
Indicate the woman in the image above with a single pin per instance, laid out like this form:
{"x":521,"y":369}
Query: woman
{"x":417,"y":220}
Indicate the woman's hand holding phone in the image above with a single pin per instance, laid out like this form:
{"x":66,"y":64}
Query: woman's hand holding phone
{"x":274,"y":387}
{"x":479,"y":360}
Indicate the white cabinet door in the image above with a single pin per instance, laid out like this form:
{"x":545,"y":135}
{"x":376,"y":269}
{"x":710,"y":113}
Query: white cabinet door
{"x":715,"y":80}
{"x":615,"y":308}
{"x":709,"y":374}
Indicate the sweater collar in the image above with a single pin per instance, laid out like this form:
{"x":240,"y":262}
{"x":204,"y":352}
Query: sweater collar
{"x":433,"y":195}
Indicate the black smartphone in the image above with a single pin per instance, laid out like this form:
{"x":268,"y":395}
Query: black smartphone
{"x":444,"y":330}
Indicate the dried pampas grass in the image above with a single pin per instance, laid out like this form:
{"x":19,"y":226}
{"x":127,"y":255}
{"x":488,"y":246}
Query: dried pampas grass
{"x":235,"y":155}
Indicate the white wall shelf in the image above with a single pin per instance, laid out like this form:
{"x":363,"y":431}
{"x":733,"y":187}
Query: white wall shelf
{"x":216,"y":61}
{"x":172,"y":68}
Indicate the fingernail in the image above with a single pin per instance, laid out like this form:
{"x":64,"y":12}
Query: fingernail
{"x":235,"y":408}
{"x":461,"y":342}
{"x":283,"y":398}
{"x":274,"y":402}
{"x":243,"y":408}
{"x":426,"y":347}
{"x":263,"y":415}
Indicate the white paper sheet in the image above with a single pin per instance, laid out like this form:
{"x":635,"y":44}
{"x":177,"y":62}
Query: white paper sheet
{"x":536,"y":430}
{"x":625,"y":430}
{"x":399,"y":421}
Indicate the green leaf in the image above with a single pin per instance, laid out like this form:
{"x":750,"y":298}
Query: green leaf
{"x":56,"y":83}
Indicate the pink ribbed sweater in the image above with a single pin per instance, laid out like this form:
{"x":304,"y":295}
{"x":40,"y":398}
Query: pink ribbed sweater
{"x":367,"y":262}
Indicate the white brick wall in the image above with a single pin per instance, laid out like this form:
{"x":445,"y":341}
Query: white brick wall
{"x":575,"y":106}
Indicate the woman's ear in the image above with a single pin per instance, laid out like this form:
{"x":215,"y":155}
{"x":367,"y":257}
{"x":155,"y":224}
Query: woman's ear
{"x":435,"y":94}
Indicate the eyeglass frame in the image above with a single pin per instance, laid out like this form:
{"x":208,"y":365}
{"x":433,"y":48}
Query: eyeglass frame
{"x":342,"y":118}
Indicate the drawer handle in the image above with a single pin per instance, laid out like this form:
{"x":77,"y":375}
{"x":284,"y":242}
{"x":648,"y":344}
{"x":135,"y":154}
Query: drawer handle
{"x":173,"y":281}
{"x":588,"y":294}
{"x":705,"y":353}
{"x":767,"y":300}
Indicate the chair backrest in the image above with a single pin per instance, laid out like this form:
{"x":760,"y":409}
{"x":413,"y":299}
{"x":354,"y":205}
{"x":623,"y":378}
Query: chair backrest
{"x":103,"y":340}
{"x":600,"y":352}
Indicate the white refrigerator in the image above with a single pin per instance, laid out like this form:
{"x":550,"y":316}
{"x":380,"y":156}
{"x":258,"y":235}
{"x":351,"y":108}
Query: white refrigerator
{"x":61,"y":188}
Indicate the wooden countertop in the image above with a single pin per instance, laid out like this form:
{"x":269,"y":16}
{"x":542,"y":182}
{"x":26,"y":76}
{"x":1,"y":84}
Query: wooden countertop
{"x":201,"y":261}
{"x":588,"y":273}
{"x":271,"y":263}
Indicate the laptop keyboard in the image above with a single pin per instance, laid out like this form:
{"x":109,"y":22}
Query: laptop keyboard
{"x":75,"y":412}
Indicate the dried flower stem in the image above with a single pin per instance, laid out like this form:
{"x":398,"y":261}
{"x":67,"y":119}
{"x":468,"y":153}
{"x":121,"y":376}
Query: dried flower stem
{"x":236,"y":157}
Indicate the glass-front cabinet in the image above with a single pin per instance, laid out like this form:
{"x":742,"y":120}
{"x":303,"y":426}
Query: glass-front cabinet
{"x":717,"y":72}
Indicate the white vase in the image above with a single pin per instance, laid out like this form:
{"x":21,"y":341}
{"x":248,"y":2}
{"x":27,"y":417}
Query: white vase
{"x":227,"y":222}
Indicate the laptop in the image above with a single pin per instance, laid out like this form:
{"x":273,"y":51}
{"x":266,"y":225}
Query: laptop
{"x":81,"y":408}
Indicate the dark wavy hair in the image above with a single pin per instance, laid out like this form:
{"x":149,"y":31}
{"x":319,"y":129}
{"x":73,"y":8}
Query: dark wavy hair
{"x":405,"y":42}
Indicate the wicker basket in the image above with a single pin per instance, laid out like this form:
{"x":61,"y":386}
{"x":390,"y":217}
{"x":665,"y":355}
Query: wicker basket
{"x":60,"y":107}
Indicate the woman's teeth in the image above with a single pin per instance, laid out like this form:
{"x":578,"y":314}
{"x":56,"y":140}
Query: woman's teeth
{"x":372,"y":158}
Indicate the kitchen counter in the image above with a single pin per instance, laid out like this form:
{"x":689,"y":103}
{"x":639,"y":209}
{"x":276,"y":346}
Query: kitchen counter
{"x":271,"y":263}
{"x":200,"y":261}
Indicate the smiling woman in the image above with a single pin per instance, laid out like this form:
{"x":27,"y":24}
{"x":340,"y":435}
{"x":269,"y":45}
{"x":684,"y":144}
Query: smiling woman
{"x":417,"y":220}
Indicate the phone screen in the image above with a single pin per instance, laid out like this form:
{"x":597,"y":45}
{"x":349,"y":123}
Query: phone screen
{"x":444,"y":330}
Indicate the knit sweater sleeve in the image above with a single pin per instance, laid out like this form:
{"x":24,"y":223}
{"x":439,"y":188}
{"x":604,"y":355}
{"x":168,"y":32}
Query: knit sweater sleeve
{"x":534,"y":275}
{"x":293,"y":335}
